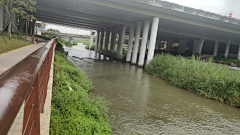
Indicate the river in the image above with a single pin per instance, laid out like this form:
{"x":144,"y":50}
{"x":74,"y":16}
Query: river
{"x":147,"y":105}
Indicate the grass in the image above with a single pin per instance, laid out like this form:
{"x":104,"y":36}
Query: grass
{"x":73,"y":110}
{"x":66,"y":43}
{"x":11,"y":44}
{"x":229,"y":59}
{"x":205,"y":78}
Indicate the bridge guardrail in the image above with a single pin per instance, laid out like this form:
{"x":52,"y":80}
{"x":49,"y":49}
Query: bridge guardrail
{"x":26,"y":84}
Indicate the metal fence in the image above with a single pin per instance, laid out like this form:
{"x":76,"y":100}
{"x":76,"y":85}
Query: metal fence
{"x":26,"y":84}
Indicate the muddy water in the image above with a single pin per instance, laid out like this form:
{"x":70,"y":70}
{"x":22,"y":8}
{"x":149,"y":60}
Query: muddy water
{"x":148,"y":105}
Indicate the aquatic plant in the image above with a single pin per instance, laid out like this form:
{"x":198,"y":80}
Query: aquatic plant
{"x":205,"y":78}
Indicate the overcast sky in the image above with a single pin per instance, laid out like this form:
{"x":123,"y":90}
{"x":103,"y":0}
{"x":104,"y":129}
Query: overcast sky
{"x":223,"y":7}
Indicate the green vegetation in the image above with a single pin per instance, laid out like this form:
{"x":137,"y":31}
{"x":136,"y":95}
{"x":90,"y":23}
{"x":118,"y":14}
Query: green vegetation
{"x":229,"y":59}
{"x":73,"y":110}
{"x":66,"y":43}
{"x":11,"y":44}
{"x":44,"y":37}
{"x":20,"y":7}
{"x":205,"y":78}
{"x":53,"y":30}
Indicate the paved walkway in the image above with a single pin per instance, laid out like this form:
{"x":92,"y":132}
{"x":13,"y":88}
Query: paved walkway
{"x":9,"y":59}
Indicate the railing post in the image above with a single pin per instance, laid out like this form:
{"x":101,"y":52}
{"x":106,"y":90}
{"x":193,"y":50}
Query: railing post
{"x":31,"y":118}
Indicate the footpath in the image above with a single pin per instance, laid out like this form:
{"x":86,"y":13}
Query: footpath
{"x":8,"y":60}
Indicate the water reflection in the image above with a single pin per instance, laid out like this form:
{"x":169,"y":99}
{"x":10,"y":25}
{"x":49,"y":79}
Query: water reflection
{"x":144,"y":104}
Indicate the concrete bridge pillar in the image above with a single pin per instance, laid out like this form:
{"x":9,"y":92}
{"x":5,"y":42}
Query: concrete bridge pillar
{"x":169,"y":45}
{"x":157,"y":44}
{"x":130,"y":42}
{"x":20,"y":24}
{"x":197,"y":46}
{"x":216,"y":47}
{"x":182,"y":45}
{"x":153,"y":38}
{"x":97,"y":40}
{"x":144,"y":43}
{"x":71,"y":40}
{"x":67,"y":39}
{"x":102,"y":37}
{"x":107,"y":38}
{"x":14,"y":21}
{"x":239,"y":53}
{"x":1,"y":17}
{"x":227,"y":48}
{"x":92,"y":33}
{"x":136,"y":43}
{"x":122,"y":39}
{"x":113,"y":39}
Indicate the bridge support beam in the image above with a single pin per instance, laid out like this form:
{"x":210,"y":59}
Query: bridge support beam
{"x":216,"y":48}
{"x":182,"y":45}
{"x":169,"y":45}
{"x":144,"y":43}
{"x":153,"y":38}
{"x":130,"y":42}
{"x":113,"y":39}
{"x":136,"y":43}
{"x":197,"y":46}
{"x":97,"y":40}
{"x":227,"y":48}
{"x":1,"y":17}
{"x":102,"y":37}
{"x":122,"y":39}
{"x":107,"y":38}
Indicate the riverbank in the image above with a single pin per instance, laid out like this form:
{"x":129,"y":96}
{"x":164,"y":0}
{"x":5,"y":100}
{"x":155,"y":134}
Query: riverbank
{"x":73,"y":110}
{"x":205,"y":78}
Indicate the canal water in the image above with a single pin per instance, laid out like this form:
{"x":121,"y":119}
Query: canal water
{"x":147,"y":105}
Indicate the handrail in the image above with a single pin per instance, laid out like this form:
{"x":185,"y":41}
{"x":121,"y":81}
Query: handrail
{"x":17,"y":82}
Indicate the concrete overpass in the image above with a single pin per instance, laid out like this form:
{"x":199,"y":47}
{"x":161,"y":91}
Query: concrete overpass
{"x":152,"y":21}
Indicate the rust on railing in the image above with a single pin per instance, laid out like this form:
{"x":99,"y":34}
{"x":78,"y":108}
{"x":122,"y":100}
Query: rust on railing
{"x":27,"y":81}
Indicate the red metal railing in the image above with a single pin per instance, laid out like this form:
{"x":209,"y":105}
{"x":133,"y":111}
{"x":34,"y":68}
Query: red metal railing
{"x":26,"y":81}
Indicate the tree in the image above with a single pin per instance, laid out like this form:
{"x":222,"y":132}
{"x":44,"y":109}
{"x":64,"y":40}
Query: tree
{"x":20,"y":7}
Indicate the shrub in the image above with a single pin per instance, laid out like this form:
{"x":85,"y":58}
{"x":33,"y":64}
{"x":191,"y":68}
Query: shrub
{"x":205,"y":78}
{"x":73,"y":110}
{"x":44,"y":37}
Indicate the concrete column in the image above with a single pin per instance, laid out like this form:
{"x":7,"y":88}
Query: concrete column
{"x":102,"y":37}
{"x":216,"y":47}
{"x":20,"y":24}
{"x":97,"y":40}
{"x":153,"y":38}
{"x":157,"y":44}
{"x":37,"y":31}
{"x":33,"y":27}
{"x":182,"y":45}
{"x":136,"y":43}
{"x":1,"y":17}
{"x":113,"y":39}
{"x":123,"y":31}
{"x":107,"y":39}
{"x":169,"y":45}
{"x":130,"y":42}
{"x":239,"y":53}
{"x":14,"y":21}
{"x":227,"y":48}
{"x":92,"y":33}
{"x":144,"y":43}
{"x":197,"y":46}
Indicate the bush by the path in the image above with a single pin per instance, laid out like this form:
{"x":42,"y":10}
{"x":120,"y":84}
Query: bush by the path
{"x":73,"y":110}
{"x":205,"y":78}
